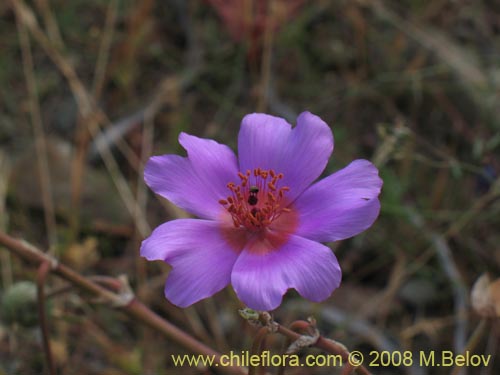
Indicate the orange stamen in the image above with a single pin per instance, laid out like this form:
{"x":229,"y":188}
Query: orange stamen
{"x":255,"y":203}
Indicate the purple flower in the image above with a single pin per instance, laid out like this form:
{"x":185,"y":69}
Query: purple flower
{"x":261,"y":217}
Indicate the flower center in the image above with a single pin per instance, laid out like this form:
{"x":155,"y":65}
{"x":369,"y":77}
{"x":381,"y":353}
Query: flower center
{"x":258,"y":200}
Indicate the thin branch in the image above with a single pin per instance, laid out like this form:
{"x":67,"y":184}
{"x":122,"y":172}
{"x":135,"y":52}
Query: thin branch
{"x":352,"y":323}
{"x":325,"y":344}
{"x":6,"y":268}
{"x":311,"y":336}
{"x":43,"y":271}
{"x":257,"y":346}
{"x":125,"y":301}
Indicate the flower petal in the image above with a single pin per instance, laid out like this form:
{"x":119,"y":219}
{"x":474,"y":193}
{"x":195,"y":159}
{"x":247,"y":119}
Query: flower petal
{"x":301,"y":153}
{"x":201,"y":258}
{"x":260,"y":281}
{"x":341,"y":205}
{"x":195,"y":183}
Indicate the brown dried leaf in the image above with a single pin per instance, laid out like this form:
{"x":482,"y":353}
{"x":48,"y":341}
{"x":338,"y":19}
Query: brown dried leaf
{"x":485,"y":297}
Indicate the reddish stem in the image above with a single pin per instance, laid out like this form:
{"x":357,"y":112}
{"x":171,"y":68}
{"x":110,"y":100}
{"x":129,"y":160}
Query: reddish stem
{"x":43,"y":271}
{"x":257,"y":345}
{"x":322,"y":343}
{"x":132,"y":307}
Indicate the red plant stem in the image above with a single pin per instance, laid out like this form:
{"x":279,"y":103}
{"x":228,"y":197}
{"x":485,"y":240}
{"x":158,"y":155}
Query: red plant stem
{"x":133,"y":308}
{"x":322,"y":343}
{"x":257,"y":345}
{"x":43,"y":271}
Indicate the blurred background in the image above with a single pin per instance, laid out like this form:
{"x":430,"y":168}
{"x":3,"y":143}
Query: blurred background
{"x":90,"y":89}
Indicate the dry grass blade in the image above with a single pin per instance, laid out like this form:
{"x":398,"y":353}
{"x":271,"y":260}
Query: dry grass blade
{"x":4,"y":183}
{"x":104,"y":50}
{"x":80,"y":157}
{"x":476,"y":209}
{"x":40,"y":140}
{"x":50,"y":22}
{"x":460,"y":293}
{"x":88,"y":110}
{"x":451,"y":54}
{"x":266,"y":58}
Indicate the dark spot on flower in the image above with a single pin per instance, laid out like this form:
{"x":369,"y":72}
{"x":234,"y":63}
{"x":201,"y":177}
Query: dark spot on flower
{"x":252,"y":200}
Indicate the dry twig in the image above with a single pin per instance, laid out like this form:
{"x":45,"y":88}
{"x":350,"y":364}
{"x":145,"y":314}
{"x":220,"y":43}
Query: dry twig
{"x":40,"y":140}
{"x":89,"y":111}
{"x":460,"y":292}
{"x":126,"y":302}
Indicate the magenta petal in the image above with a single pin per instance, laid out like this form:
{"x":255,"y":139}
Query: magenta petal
{"x":260,"y":281}
{"x":195,"y":183}
{"x":341,"y":205}
{"x":301,"y":153}
{"x":201,"y":259}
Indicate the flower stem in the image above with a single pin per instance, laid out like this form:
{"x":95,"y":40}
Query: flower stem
{"x":322,"y":343}
{"x":257,"y":346}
